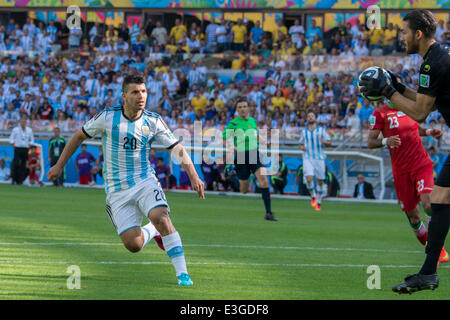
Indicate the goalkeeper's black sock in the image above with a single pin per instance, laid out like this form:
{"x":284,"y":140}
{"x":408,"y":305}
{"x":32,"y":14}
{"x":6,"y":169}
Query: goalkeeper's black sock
{"x":437,"y":231}
{"x":266,"y":198}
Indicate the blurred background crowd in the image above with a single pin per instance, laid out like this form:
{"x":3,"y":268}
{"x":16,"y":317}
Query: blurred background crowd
{"x":54,"y":74}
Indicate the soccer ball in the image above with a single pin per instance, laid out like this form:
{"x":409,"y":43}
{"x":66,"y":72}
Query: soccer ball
{"x":373,"y":72}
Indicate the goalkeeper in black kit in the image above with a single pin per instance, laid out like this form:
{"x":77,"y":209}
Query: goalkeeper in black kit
{"x":418,"y":36}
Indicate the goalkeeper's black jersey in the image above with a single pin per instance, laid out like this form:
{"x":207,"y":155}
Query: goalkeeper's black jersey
{"x":434,"y":79}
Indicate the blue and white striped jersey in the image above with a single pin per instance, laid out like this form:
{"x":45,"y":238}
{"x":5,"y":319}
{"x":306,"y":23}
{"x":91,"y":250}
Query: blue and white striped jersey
{"x":314,"y":148}
{"x":126,"y":145}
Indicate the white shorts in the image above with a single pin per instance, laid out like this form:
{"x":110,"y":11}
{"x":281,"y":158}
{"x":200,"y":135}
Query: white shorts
{"x":127,"y":207}
{"x":314,"y":168}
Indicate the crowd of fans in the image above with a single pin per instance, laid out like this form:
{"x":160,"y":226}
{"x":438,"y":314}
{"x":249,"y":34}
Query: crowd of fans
{"x":50,"y":72}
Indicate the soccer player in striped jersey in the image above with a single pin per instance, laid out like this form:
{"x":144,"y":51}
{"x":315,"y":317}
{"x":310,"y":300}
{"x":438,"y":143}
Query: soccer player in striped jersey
{"x":312,"y":141}
{"x":132,"y":189}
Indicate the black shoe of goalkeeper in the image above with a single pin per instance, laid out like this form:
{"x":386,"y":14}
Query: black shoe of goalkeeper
{"x":417,"y":282}
{"x":270,"y":217}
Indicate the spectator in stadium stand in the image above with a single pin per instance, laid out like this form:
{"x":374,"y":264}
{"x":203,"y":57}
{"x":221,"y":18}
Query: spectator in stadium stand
{"x":221,"y":36}
{"x":239,"y":32}
{"x":295,"y":31}
{"x":365,"y":111}
{"x":198,"y":101}
{"x":389,"y":37}
{"x":256,"y":34}
{"x":360,"y":48}
{"x":75,"y":37}
{"x":56,"y":146}
{"x":159,"y":33}
{"x":211,"y":37}
{"x":440,"y":29}
{"x":279,"y":33}
{"x":163,"y":174}
{"x":353,"y":123}
{"x":111,"y":35}
{"x":166,"y":102}
{"x":178,"y":30}
{"x":122,"y":32}
{"x":21,"y":139}
{"x":211,"y":110}
{"x":98,"y":167}
{"x":83,"y":163}
{"x":17,"y":101}
{"x":134,"y":31}
{"x":346,"y":52}
{"x":153,"y":159}
{"x":242,"y":76}
{"x":10,"y":26}
{"x":193,"y":43}
{"x":311,"y":32}
{"x":46,"y":111}
{"x":149,"y":26}
{"x":374,"y":38}
{"x":363,"y":189}
{"x":334,"y":43}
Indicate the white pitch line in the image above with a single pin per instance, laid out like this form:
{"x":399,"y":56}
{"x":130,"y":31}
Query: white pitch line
{"x":210,"y":246}
{"x":295,"y":265}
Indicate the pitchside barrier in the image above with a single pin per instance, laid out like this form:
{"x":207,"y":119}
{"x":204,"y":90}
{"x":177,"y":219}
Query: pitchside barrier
{"x":339,"y":162}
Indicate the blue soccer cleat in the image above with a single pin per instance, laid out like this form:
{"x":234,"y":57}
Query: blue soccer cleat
{"x":184,"y":280}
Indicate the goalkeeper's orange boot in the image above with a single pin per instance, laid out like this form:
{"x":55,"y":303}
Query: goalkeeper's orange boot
{"x":318,"y":207}
{"x":443,"y":257}
{"x":313,"y":203}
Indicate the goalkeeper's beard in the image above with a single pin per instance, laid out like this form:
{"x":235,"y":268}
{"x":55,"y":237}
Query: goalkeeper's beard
{"x":413,"y":47}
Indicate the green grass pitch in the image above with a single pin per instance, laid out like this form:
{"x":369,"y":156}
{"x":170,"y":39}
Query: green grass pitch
{"x":232,"y":253}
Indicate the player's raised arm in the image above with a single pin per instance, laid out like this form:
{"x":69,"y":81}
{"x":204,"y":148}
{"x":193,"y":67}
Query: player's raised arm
{"x":417,"y":110}
{"x":179,"y":152}
{"x":70,"y":148}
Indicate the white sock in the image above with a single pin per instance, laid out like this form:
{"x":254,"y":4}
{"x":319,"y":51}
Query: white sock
{"x":149,"y":232}
{"x":319,"y":193}
{"x":310,"y":187}
{"x":174,"y":249}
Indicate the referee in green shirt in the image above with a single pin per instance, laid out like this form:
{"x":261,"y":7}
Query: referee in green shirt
{"x":244,"y":132}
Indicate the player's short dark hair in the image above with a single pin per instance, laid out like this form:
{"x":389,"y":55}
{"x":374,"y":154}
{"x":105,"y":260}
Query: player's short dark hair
{"x":422,"y":20}
{"x":239,"y":100}
{"x":132,"y":79}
